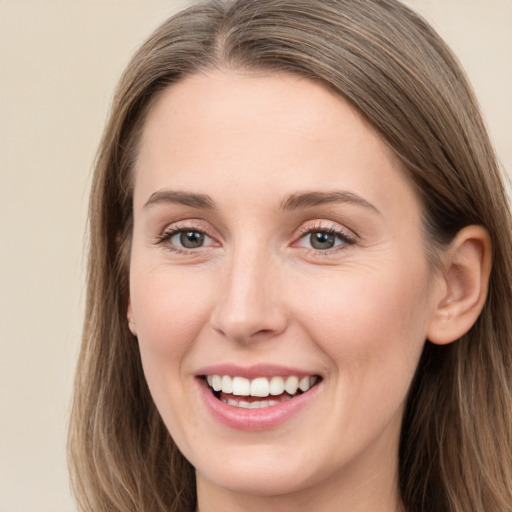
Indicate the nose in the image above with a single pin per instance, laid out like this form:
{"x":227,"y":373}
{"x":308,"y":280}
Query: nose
{"x":250,"y":305}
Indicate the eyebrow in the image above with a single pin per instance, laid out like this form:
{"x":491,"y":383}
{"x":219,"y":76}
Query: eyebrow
{"x":315,"y":198}
{"x":293,"y":202}
{"x":202,"y":201}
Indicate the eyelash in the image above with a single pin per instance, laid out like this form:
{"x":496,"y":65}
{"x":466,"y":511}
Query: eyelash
{"x":167,"y":236}
{"x":345,"y":238}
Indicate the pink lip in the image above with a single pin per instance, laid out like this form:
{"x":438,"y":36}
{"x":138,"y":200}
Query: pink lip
{"x":252,"y":372}
{"x":264,"y":418}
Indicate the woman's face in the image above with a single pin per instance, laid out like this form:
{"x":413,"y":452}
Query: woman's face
{"x":276,"y":243}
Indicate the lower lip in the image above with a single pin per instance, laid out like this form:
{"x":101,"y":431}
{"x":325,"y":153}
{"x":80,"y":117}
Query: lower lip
{"x":264,"y":418}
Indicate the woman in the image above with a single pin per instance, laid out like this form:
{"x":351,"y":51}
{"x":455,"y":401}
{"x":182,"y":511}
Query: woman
{"x":300,"y":276}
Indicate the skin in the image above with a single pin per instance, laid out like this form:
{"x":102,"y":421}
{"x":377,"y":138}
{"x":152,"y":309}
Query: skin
{"x":257,"y":292}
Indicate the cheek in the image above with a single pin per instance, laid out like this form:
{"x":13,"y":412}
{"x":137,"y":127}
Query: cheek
{"x":169,"y":314}
{"x":370,"y":322}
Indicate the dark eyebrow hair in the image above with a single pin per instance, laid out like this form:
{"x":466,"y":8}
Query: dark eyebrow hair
{"x":186,"y":198}
{"x":293,"y":202}
{"x":315,"y":198}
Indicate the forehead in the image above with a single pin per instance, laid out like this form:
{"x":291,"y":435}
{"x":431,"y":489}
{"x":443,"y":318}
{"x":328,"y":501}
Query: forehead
{"x":212,"y":104}
{"x":224,"y":131}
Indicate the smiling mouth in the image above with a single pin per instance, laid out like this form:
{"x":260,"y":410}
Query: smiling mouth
{"x":260,"y":392}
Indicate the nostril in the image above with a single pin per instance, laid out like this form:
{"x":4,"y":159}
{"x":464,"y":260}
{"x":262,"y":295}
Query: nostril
{"x":262,"y":332}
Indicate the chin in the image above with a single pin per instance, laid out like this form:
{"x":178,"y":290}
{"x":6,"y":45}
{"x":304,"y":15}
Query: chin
{"x":260,"y":470}
{"x":260,"y":479}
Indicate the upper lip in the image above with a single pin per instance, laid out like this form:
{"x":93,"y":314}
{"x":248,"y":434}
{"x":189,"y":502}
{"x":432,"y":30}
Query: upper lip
{"x":253,"y":371}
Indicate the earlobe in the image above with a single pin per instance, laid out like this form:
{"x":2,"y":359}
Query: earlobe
{"x":466,"y":269}
{"x":131,"y":321}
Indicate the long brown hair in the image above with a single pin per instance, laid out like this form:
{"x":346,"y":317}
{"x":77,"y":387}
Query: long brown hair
{"x":456,"y":440}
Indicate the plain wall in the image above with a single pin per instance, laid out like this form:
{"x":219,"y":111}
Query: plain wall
{"x":59,"y":62}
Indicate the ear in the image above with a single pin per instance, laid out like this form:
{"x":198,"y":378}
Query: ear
{"x":465,"y":280}
{"x":131,"y":320}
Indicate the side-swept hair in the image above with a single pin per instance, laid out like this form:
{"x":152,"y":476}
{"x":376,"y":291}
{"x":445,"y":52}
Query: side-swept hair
{"x":456,"y":439}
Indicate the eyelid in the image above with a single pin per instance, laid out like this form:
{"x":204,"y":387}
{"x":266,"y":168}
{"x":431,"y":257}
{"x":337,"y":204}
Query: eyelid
{"x":325,"y":225}
{"x":185,"y":225}
{"x":347,"y":237}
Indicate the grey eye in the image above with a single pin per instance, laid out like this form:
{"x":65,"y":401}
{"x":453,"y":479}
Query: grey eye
{"x":321,"y":240}
{"x":324,"y":239}
{"x":189,"y":239}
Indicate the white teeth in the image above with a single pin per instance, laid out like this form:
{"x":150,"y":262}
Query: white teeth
{"x":217,"y":383}
{"x":291,"y":385}
{"x":241,"y":386}
{"x":227,"y":384}
{"x":261,"y":386}
{"x":304,"y":384}
{"x":276,"y":386}
{"x":255,"y":405}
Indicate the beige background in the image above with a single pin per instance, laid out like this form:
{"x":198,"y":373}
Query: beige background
{"x":59,"y":61}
